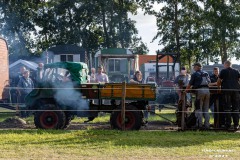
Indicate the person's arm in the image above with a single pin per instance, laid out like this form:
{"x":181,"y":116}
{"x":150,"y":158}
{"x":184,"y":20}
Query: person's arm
{"x":106,"y":79}
{"x":219,"y":82}
{"x":188,"y":88}
{"x":212,"y":78}
{"x":220,"y":78}
{"x":213,"y":84}
{"x":132,"y":81}
{"x":190,"y":83}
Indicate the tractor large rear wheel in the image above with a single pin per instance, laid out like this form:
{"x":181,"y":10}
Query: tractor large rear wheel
{"x":49,"y":117}
{"x":133,"y":118}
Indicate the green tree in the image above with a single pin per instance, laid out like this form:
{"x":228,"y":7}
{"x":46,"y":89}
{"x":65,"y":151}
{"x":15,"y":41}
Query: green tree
{"x":36,"y":25}
{"x":198,"y":29}
{"x":223,"y":17}
{"x":17,"y":25}
{"x":138,"y":47}
{"x":167,"y":23}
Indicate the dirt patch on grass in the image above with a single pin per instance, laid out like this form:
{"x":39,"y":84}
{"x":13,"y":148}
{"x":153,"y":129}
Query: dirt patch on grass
{"x":153,"y":125}
{"x":83,"y":126}
{"x":19,"y":123}
{"x":13,"y":122}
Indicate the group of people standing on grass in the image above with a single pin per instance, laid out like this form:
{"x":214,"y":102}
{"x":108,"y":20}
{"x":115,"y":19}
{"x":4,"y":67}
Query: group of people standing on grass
{"x":224,"y":87}
{"x":226,"y":81}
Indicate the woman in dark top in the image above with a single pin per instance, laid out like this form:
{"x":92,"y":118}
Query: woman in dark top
{"x":137,"y":79}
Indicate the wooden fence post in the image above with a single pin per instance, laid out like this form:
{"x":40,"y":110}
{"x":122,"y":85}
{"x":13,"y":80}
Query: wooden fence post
{"x":123,"y":105}
{"x":183,"y":110}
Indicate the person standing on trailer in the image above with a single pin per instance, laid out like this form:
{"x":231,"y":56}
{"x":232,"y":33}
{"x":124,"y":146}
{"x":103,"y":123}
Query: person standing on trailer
{"x":101,"y":77}
{"x":92,"y":76}
{"x":199,"y":81}
{"x":137,"y":79}
{"x":228,"y":82}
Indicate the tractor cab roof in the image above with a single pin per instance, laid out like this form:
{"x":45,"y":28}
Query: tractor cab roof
{"x":67,"y":65}
{"x":74,"y":68}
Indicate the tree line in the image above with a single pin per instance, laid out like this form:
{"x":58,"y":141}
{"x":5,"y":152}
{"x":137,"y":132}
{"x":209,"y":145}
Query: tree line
{"x":198,"y":30}
{"x":32,"y":26}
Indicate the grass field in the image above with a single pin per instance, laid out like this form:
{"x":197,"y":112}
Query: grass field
{"x":112,"y":144}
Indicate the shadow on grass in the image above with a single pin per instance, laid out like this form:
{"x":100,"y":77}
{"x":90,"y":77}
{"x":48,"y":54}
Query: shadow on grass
{"x":154,"y":139}
{"x":5,"y":115}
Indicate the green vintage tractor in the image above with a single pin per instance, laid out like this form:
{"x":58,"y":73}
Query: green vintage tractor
{"x":55,"y":101}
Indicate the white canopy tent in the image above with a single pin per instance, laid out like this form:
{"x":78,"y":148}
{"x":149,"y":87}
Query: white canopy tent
{"x":27,"y":64}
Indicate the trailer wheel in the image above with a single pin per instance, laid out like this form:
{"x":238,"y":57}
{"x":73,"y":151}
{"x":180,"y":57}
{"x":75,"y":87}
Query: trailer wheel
{"x":133,"y":118}
{"x":47,"y":119}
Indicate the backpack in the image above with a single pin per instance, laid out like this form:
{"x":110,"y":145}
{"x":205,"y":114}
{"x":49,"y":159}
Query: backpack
{"x":205,"y":79}
{"x":202,"y":79}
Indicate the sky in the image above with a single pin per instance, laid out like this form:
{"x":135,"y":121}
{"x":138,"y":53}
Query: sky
{"x":147,"y":29}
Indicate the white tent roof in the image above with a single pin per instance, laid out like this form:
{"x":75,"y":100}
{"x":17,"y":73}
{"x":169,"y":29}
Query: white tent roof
{"x":29,"y":64}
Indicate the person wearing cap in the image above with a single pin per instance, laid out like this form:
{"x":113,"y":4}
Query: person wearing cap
{"x":228,"y":82}
{"x":181,"y":81}
{"x":101,"y":77}
{"x":199,"y":81}
{"x":25,"y":85}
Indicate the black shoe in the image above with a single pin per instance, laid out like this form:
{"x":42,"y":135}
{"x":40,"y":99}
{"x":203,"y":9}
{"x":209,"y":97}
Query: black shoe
{"x":236,"y":127}
{"x":89,"y":119}
{"x":146,"y":123}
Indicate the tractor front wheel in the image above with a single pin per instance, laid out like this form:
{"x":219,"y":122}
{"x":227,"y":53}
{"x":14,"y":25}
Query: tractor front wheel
{"x":49,"y":118}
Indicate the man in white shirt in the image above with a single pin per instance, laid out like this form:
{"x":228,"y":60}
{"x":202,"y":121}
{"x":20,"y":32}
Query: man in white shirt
{"x":92,"y":77}
{"x":100,"y":76}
